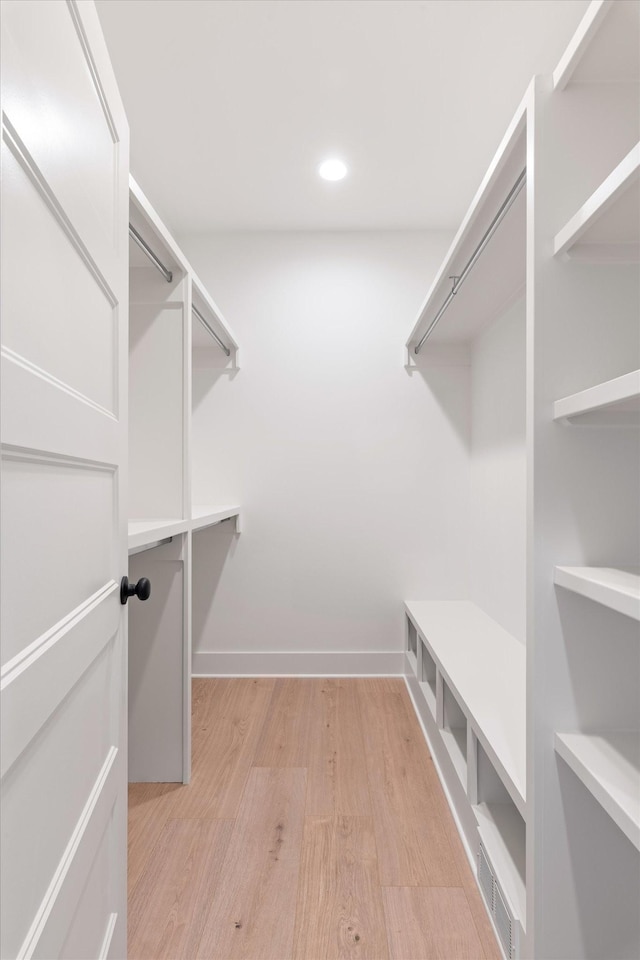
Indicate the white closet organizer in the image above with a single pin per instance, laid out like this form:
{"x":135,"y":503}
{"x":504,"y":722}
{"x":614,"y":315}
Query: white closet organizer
{"x":468,"y":674}
{"x":529,"y":686}
{"x":171,"y":318}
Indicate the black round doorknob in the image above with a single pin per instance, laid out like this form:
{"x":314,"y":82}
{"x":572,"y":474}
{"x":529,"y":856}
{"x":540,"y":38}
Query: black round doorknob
{"x":141,"y":589}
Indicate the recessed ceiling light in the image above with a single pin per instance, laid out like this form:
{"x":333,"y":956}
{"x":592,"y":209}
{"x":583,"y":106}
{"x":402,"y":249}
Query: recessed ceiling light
{"x":332,"y":170}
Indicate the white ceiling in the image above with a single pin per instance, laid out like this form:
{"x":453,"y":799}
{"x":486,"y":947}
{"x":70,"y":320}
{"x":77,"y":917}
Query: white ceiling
{"x":233,"y":103}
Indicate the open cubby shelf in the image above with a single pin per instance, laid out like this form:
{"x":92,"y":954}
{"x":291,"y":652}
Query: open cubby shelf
{"x":484,"y":669}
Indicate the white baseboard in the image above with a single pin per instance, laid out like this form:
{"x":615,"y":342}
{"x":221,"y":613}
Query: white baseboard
{"x":252,"y":663}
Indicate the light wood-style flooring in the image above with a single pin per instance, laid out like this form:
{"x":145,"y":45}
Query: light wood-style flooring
{"x":314,"y":828}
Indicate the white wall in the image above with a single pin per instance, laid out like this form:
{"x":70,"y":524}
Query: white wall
{"x":352,"y":472}
{"x":499,"y":471}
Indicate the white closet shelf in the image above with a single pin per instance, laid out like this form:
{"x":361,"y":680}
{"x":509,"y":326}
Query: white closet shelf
{"x":503,"y":834}
{"x":607,"y":226}
{"x":207,"y":516}
{"x":613,"y":402}
{"x":604,"y":48}
{"x":498,"y":277}
{"x":209,"y":310}
{"x":608,"y":764}
{"x":616,"y":588}
{"x":143,"y":533}
{"x":485,"y":668}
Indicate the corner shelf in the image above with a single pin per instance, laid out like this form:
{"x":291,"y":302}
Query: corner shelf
{"x":606,"y":227}
{"x":608,"y":764}
{"x":485,"y":669}
{"x":502,"y":832}
{"x":615,"y":402}
{"x":617,"y":589}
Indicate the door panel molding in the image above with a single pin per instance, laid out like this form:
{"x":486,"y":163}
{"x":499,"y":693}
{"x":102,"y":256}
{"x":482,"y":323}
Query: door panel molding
{"x":54,"y":916}
{"x":54,"y":662}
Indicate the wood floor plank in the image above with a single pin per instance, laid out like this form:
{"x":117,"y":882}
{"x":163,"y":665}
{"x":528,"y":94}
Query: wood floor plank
{"x":337,"y":780}
{"x":413,"y":847}
{"x":286,"y":735}
{"x":234,"y":720}
{"x":168,"y":907}
{"x":430,"y":924}
{"x":253,"y":911}
{"x":340,"y":914}
{"x":149,"y":805}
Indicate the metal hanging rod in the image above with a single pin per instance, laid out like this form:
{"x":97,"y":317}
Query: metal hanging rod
{"x":458,"y":281}
{"x":211,"y":331}
{"x":146,"y":249}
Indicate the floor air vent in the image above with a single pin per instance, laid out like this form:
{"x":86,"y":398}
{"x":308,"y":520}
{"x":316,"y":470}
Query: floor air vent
{"x":498,"y":907}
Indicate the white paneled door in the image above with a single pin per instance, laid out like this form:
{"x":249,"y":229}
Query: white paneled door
{"x":65,"y":157}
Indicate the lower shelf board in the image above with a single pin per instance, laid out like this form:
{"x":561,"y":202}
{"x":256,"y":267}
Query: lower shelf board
{"x":617,"y":589}
{"x":503,"y":833}
{"x":608,"y":764}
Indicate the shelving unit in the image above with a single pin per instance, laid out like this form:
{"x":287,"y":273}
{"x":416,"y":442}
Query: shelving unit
{"x":616,"y":589}
{"x":607,"y":226}
{"x":613,"y":403}
{"x":551,"y":303}
{"x":583,"y":679}
{"x":166,"y":299}
{"x":608,"y":764}
{"x":468,"y":686}
{"x":484,"y":668}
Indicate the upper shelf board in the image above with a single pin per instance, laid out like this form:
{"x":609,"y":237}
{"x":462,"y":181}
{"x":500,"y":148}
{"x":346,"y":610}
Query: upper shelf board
{"x":498,"y":276}
{"x":144,"y":533}
{"x":617,"y":589}
{"x":207,"y":516}
{"x":615,"y":402}
{"x":204,"y":303}
{"x":485,"y":667}
{"x":147,"y":533}
{"x":607,"y":225}
{"x":150,"y":226}
{"x":604,"y":48}
{"x":609,"y":766}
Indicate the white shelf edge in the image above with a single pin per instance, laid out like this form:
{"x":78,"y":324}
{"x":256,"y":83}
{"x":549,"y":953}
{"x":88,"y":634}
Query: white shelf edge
{"x":215,"y":313}
{"x":501,"y":156}
{"x":602,"y":397}
{"x":619,"y":180}
{"x":145,"y":207}
{"x":147,"y":210}
{"x":207,"y":516}
{"x":615,"y":588}
{"x":143,"y":532}
{"x":499,"y":829}
{"x":516,"y":787}
{"x":612,"y":778}
{"x":579,"y":43}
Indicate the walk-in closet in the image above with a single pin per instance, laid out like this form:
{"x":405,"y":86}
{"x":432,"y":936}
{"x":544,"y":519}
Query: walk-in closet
{"x":320,"y":438}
